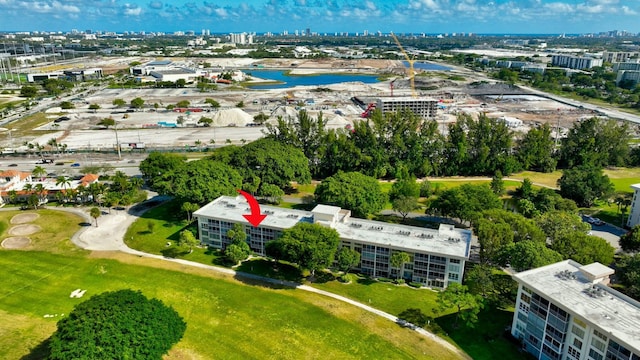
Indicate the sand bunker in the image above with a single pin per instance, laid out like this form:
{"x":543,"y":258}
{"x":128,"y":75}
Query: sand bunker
{"x":24,"y":218}
{"x":24,"y":229}
{"x":16,"y":242}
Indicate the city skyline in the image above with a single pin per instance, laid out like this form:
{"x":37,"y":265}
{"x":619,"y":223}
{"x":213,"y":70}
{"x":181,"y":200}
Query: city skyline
{"x":324,"y":16}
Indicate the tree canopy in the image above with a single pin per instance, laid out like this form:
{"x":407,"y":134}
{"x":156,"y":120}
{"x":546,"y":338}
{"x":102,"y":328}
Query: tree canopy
{"x":311,"y":246}
{"x":353,"y":191}
{"x":157,"y":166}
{"x":631,"y":240}
{"x":525,"y":255}
{"x":465,"y":201}
{"x":121,"y":324}
{"x":202,"y":181}
{"x":584,"y":184}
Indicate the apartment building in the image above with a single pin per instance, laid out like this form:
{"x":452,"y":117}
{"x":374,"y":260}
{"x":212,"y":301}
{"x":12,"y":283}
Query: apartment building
{"x":566,"y":311}
{"x":618,"y":56}
{"x":634,"y":214}
{"x":437,"y":256}
{"x":423,"y":107}
{"x":575,"y":62}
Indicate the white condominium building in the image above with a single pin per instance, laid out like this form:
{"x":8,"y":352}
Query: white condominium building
{"x":423,"y":107}
{"x":566,"y":311}
{"x":437,"y":255}
{"x":634,"y":215}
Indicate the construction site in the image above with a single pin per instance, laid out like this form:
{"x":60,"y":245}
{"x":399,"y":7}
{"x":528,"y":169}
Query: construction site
{"x":439,"y":95}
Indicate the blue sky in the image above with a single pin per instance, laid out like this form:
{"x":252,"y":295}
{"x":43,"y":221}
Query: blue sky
{"x":400,"y":16}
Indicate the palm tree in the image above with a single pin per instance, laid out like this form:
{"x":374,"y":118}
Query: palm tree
{"x":398,"y":259}
{"x":64,"y":182}
{"x":136,"y":183}
{"x":39,"y":172}
{"x":13,"y":196}
{"x":95,"y":213}
{"x":41,"y":192}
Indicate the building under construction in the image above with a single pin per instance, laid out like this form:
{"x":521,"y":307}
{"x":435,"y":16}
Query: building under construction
{"x":423,"y":107}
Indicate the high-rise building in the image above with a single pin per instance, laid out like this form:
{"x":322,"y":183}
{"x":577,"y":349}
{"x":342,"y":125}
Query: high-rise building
{"x":566,"y":311}
{"x":634,"y":215}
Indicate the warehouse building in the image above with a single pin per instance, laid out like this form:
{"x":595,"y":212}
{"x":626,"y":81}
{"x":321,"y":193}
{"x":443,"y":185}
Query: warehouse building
{"x":566,"y":311}
{"x":438,"y":256}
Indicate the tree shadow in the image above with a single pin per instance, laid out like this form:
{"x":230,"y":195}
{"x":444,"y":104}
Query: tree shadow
{"x":322,"y":277}
{"x":41,"y":351}
{"x":272,"y":269}
{"x":84,"y":224}
{"x":366,"y":281}
{"x":174,"y":252}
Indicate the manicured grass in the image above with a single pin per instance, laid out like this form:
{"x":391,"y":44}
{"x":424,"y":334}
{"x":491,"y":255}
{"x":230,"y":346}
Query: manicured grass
{"x":26,"y":126}
{"x":548,"y":179}
{"x":57,"y":227}
{"x":395,"y":299}
{"x":623,"y":178}
{"x":225,"y":318}
{"x":167,"y":222}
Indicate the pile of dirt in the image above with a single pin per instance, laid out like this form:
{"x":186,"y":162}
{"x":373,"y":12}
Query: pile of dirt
{"x":232,"y":117}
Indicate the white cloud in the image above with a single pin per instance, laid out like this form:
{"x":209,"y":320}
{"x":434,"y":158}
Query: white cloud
{"x":220,"y":12}
{"x":136,"y":11}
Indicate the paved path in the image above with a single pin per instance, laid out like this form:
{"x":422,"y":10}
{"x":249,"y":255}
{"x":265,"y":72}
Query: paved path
{"x":112,"y":227}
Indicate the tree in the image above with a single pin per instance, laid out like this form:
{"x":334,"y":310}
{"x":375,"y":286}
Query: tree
{"x":525,"y":255}
{"x":260,"y":118}
{"x":631,"y":241}
{"x":187,"y":239}
{"x":189,"y":208}
{"x":405,"y":186}
{"x":28,"y":91}
{"x":347,"y":258}
{"x":628,"y":271}
{"x":94,"y":107}
{"x":585,"y":184}
{"x":213,"y":103}
{"x":95,"y":213}
{"x":137,"y":328}
{"x":584,"y":248}
{"x":464,"y":201}
{"x":183,"y":104}
{"x":64,"y":182}
{"x":536,"y":149}
{"x":404,"y":205}
{"x":205,"y":121}
{"x":157,"y":167}
{"x":457,"y":295}
{"x":240,"y":104}
{"x":497,"y":184}
{"x":397,"y":260}
{"x":311,"y":246}
{"x":238,"y":249}
{"x":106,"y":122}
{"x":181,"y":83}
{"x":39,"y":172}
{"x":596,"y":142}
{"x":558,"y":224}
{"x":201,"y":181}
{"x":119,"y":103}
{"x":272,"y":192}
{"x":137,"y":103}
{"x":414,"y":316}
{"x":479,"y":280}
{"x":273,"y":162}
{"x":525,"y":190}
{"x":67,"y":105}
{"x":353,"y":191}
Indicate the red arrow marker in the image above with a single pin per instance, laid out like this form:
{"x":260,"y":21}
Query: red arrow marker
{"x":255,"y":218}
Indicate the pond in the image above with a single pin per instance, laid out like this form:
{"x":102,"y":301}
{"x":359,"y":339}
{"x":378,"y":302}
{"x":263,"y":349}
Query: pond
{"x":287,"y":80}
{"x":427,"y":66}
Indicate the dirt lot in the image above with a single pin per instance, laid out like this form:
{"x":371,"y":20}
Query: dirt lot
{"x":81,"y":130}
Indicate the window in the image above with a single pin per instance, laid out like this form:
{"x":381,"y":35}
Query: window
{"x":577,"y":343}
{"x":453,"y":276}
{"x":594,"y":355}
{"x":454,"y":261}
{"x":600,"y":335}
{"x":575,"y":354}
{"x":526,"y":298}
{"x":598,"y":344}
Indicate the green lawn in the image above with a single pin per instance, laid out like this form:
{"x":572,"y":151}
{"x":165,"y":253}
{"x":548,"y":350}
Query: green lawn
{"x":225,"y":318}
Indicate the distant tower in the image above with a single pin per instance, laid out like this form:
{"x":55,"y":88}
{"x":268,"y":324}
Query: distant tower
{"x":308,"y":32}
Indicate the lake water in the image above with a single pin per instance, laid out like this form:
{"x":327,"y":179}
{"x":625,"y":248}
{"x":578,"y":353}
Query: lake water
{"x":312,"y":80}
{"x":427,"y":66}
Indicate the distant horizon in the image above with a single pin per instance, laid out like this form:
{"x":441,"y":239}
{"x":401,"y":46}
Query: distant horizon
{"x":325,"y":16}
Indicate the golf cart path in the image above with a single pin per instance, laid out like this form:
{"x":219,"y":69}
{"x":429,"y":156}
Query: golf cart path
{"x":110,"y":232}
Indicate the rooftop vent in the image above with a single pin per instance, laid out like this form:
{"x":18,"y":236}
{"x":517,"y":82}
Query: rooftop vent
{"x":406,"y":233}
{"x":356,"y":225}
{"x":268,"y":212}
{"x":231,"y":205}
{"x":566,"y":275}
{"x":292,"y":216}
{"x":595,"y":292}
{"x":425,"y":236}
{"x":378,"y":228}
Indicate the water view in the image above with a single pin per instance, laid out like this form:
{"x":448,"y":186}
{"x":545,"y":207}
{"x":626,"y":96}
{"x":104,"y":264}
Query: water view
{"x":287,"y":80}
{"x":427,"y":66}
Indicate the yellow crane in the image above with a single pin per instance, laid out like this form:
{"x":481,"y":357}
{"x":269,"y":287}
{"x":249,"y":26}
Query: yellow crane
{"x":410,"y":61}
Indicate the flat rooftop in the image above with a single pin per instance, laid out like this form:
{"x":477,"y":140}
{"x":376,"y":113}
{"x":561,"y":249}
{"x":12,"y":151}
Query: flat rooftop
{"x":446,"y":241}
{"x":405,"y":99}
{"x":564,"y":284}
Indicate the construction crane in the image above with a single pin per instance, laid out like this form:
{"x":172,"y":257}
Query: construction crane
{"x":391,"y":86}
{"x":410,"y":61}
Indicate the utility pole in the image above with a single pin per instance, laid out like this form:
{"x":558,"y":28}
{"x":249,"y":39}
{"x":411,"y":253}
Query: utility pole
{"x":115,"y":127}
{"x":558,"y":130}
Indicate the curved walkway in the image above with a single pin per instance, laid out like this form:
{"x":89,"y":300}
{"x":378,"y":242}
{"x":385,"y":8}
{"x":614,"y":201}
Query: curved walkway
{"x":112,"y":227}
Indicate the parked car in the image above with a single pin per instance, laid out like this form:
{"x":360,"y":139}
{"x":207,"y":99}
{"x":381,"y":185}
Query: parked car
{"x":597,"y":222}
{"x":13,"y":165}
{"x":59,"y":163}
{"x":44,"y":161}
{"x":75,"y":165}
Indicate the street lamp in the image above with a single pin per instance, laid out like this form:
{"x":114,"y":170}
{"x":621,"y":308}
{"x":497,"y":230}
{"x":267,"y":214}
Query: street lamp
{"x":115,"y":127}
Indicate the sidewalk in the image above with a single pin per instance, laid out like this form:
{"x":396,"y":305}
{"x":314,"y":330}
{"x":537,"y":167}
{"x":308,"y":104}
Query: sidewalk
{"x":110,"y":232}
